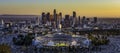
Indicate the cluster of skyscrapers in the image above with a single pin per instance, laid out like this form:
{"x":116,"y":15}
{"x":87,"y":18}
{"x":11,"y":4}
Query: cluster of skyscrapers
{"x":53,"y":20}
{"x":66,"y":21}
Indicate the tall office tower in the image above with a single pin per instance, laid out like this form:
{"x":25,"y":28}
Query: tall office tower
{"x":71,"y":21}
{"x":43,"y":18}
{"x":83,"y":20}
{"x":56,"y":20}
{"x":79,"y":20}
{"x":48,"y":19}
{"x":54,"y":12}
{"x":51,"y":18}
{"x":95,"y":20}
{"x":74,"y":14}
{"x":48,"y":16}
{"x":55,"y":17}
{"x":87,"y":20}
{"x":67,"y":17}
{"x":67,"y":21}
{"x":74,"y":18}
{"x":60,"y":17}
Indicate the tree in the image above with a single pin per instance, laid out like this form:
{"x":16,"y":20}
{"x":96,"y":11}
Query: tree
{"x":23,"y":40}
{"x":98,"y":41}
{"x":5,"y":49}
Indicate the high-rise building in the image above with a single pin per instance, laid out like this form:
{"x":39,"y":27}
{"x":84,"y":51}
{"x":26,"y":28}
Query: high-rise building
{"x":55,"y":17}
{"x":48,"y":22}
{"x":67,"y":21}
{"x":87,"y":20}
{"x":43,"y":18}
{"x":71,"y":21}
{"x":95,"y":20}
{"x":54,"y":12}
{"x":79,"y":20}
{"x":51,"y":18}
{"x":83,"y":20}
{"x":74,"y":14}
{"x":74,"y":18}
{"x":48,"y":16}
{"x":60,"y":16}
{"x":56,"y":20}
{"x":67,"y":17}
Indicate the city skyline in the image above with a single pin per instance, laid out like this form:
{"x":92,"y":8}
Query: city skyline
{"x":99,"y":8}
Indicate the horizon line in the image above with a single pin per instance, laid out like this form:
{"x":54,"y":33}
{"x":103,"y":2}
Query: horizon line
{"x":63,"y":16}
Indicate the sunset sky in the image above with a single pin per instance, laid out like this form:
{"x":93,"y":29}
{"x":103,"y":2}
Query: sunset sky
{"x":104,"y":8}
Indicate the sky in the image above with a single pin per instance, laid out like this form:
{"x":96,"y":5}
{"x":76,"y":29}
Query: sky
{"x":102,"y":8}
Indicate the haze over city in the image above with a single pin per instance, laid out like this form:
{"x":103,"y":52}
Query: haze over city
{"x":59,"y":26}
{"x":99,"y":8}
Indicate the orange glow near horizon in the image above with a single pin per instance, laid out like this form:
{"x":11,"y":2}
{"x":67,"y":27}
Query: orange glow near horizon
{"x":108,"y":8}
